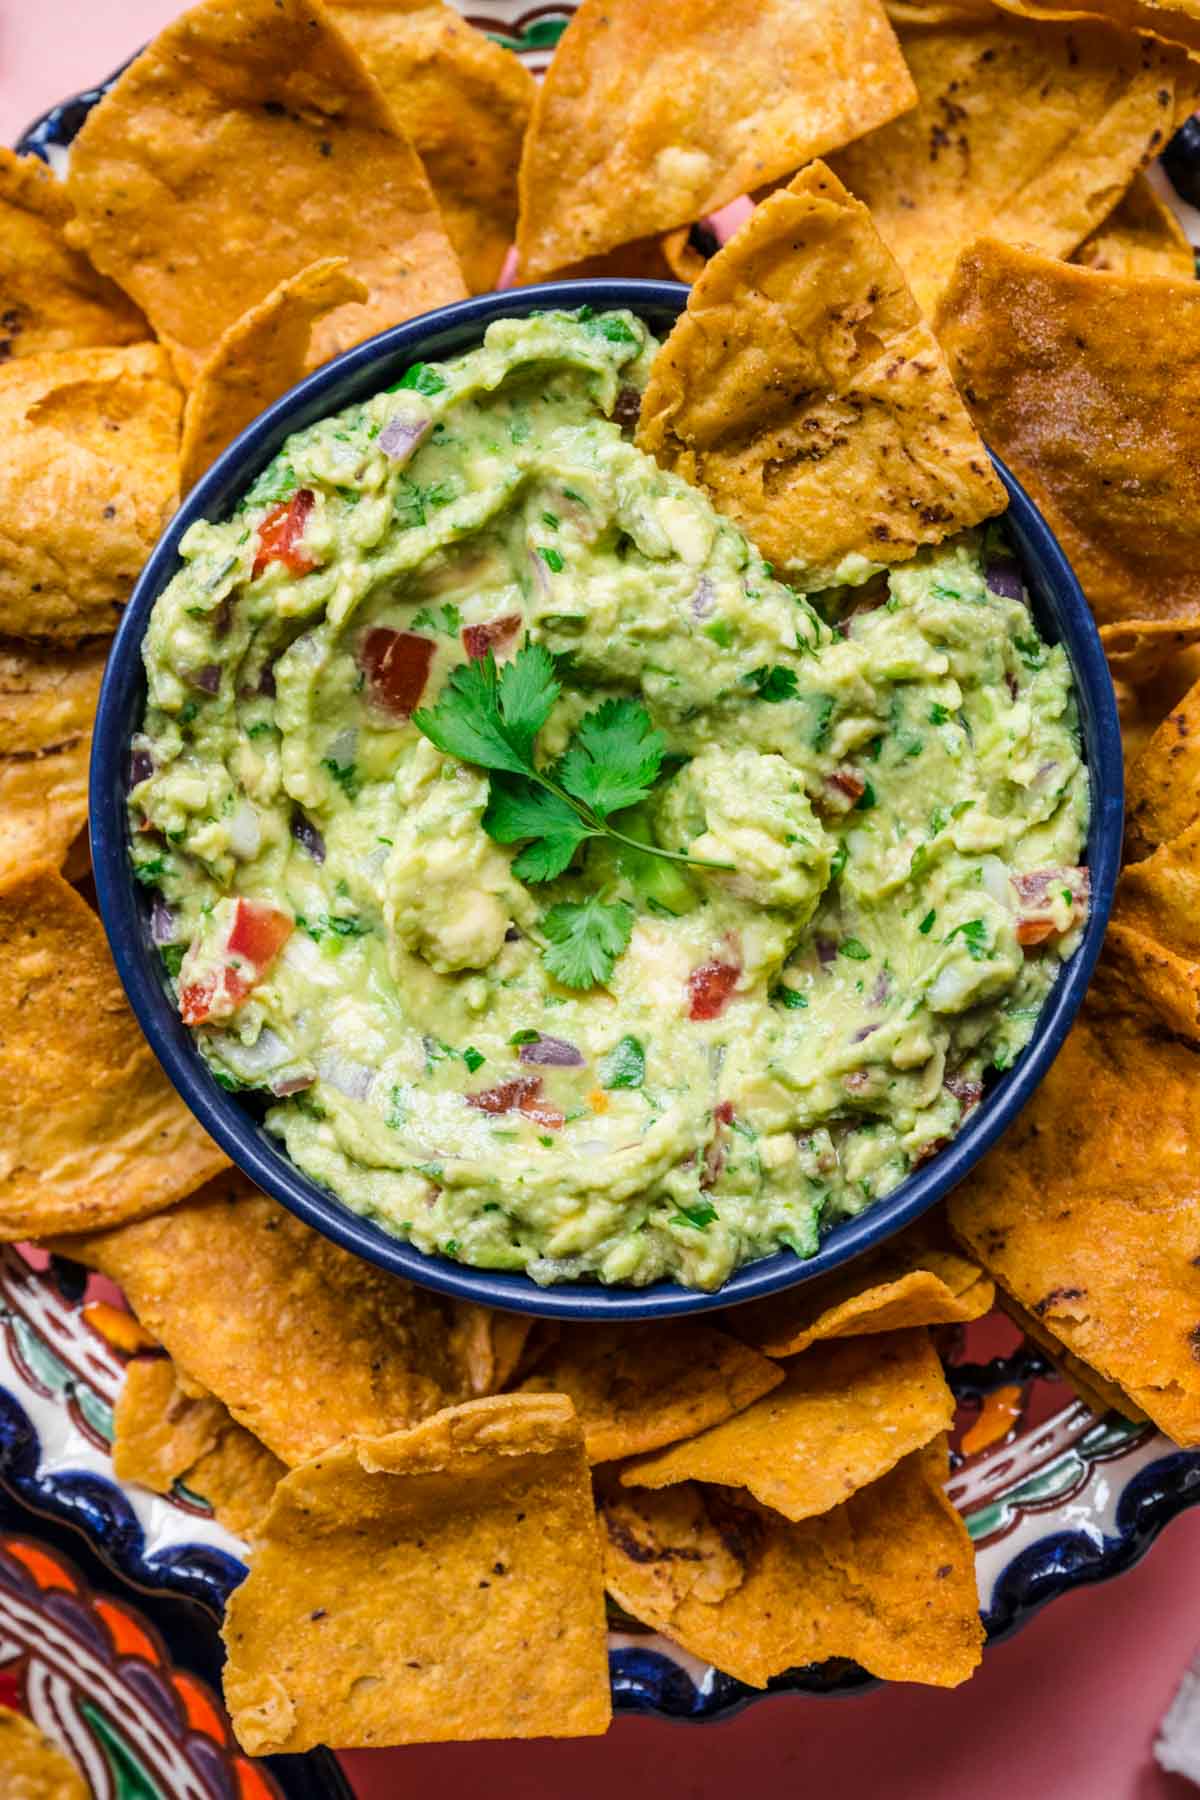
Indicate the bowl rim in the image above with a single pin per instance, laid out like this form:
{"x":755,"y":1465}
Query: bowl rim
{"x":363,"y":370}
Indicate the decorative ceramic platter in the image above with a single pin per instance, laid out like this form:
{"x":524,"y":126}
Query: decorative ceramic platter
{"x":1053,"y":1497}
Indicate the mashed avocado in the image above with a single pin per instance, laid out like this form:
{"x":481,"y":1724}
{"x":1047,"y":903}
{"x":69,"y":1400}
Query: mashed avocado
{"x":706,"y":921}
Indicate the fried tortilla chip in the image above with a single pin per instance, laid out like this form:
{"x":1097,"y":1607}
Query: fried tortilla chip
{"x":47,"y":703}
{"x":727,"y":95}
{"x":247,"y":142}
{"x":91,"y":1131}
{"x":302,"y":1341}
{"x":1140,"y":651}
{"x":493,"y":1345}
{"x":1089,"y":386}
{"x":440,"y":1583}
{"x":51,"y":298}
{"x":1141,"y":236}
{"x":1088,"y":1212}
{"x":637,"y":1387}
{"x":1163,"y":797}
{"x":258,"y":358}
{"x":804,"y":392}
{"x":1029,"y":133}
{"x":165,"y":1433}
{"x":1168,"y":21}
{"x":32,"y":1767}
{"x":846,"y":1414}
{"x":1153,"y":940}
{"x":1099,"y":1395}
{"x":465,"y":103}
{"x":887,"y":1578}
{"x":88,"y":476}
{"x":917,"y":1278}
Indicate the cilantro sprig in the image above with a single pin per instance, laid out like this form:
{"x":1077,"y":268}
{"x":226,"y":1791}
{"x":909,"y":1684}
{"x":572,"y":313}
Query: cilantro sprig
{"x":491,"y":717}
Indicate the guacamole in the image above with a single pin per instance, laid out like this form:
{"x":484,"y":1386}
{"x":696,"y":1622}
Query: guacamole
{"x":584,"y":899}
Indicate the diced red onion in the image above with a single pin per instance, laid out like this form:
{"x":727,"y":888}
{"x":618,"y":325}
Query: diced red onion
{"x":704,"y":599}
{"x":266,"y":681}
{"x":863,"y":1032}
{"x":162,"y":922}
{"x":541,"y":579}
{"x":967,"y":1093}
{"x":826,"y":950}
{"x":307,"y":835}
{"x":513,"y":935}
{"x":401,"y":437}
{"x":881,"y":989}
{"x":295,"y":1084}
{"x":1003,"y":577}
{"x":552,"y":1052}
{"x":141,"y":765}
{"x":350,"y":1078}
{"x":207,"y":679}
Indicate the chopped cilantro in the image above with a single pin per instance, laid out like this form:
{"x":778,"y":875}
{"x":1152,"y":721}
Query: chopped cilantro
{"x":172,"y":955}
{"x":260,"y":728}
{"x":151,"y":871}
{"x":551,"y":558}
{"x":790,"y":997}
{"x":854,"y":949}
{"x":823,"y":723}
{"x":720,"y":633}
{"x":773,"y":682}
{"x":345,"y":774}
{"x":927,"y":924}
{"x":473,"y":1058}
{"x":701,"y":1214}
{"x":939,"y":714}
{"x":421,"y":378}
{"x":525,"y":1037}
{"x":447,"y":620}
{"x":866,"y":799}
{"x":551,"y":519}
{"x":974,"y":934}
{"x":624,"y":1066}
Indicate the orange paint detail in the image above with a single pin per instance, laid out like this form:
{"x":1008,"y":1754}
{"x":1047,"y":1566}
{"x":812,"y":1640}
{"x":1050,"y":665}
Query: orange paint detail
{"x":598,"y":1100}
{"x":198,"y":1706}
{"x":252,"y":1783}
{"x":46,"y":1570}
{"x":997,"y":1416}
{"x":127,"y":1635}
{"x":120,"y":1330}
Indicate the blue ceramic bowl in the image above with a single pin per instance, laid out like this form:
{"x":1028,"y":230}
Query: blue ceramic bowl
{"x":1062,"y":615}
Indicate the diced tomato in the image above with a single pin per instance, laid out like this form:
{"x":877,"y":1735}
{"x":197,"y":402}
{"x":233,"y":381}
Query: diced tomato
{"x":280,"y":533}
{"x":259,"y":932}
{"x":710,"y":987}
{"x":224,"y":988}
{"x":1039,"y":891}
{"x":523,"y":1094}
{"x":396,"y":665}
{"x":723,"y":1112}
{"x":495,"y":635}
{"x":846,"y":782}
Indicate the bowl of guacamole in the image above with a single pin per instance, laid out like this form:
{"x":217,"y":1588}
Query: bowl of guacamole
{"x":540,"y":896}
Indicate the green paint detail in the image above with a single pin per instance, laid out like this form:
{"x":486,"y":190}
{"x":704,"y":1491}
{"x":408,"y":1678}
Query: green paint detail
{"x":981,"y":1524}
{"x":41,"y":1359}
{"x":130,"y":1779}
{"x":96,"y":1411}
{"x":542,"y":34}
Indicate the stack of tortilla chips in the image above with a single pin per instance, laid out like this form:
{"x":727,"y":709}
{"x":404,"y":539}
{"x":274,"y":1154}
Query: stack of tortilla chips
{"x":437,"y":1497}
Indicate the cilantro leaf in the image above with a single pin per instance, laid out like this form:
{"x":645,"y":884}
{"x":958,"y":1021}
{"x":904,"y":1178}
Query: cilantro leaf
{"x":467,"y":721}
{"x":518,"y":809}
{"x":527,"y":692}
{"x":624,"y":1066}
{"x":700,"y":1215}
{"x":614,"y":758}
{"x":773,"y":682}
{"x":585,"y":940}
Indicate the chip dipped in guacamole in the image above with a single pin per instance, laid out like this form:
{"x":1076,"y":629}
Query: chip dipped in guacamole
{"x":586,"y":900}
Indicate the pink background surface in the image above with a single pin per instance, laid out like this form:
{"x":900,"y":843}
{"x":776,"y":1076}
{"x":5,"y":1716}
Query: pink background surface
{"x":1066,"y":1710}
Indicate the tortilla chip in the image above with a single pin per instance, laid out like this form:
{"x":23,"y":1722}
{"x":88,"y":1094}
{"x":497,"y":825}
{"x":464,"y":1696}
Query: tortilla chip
{"x":1140,"y":237}
{"x":1089,"y":386}
{"x":1153,"y":942}
{"x":91,"y":1131}
{"x":1163,"y":797}
{"x":1168,"y":21}
{"x":88,"y":443}
{"x":302,"y":1341}
{"x":1088,"y":1213}
{"x":258,"y":358}
{"x":1030,"y":133}
{"x":441,"y":1583}
{"x":32,"y":1767}
{"x":1140,"y":651}
{"x":887,"y":1578}
{"x":247,"y":142}
{"x":465,"y":103}
{"x":1153,"y":983}
{"x":637,"y":1387}
{"x":1098,"y":1395}
{"x":727,"y":95}
{"x":493,"y":1345}
{"x":917,"y":1278}
{"x":905,"y":13}
{"x":51,"y":298}
{"x":846,"y":1414}
{"x":47,"y":703}
{"x":805,"y":393}
{"x":166,"y":1433}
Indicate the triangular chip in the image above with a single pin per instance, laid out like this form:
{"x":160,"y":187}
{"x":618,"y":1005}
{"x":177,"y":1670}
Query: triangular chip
{"x":246,"y":142}
{"x":302,"y":1341}
{"x":88,"y":475}
{"x":846,"y":1414}
{"x":465,"y":103}
{"x":1088,"y":1213}
{"x":650,"y":116}
{"x":1089,"y":386}
{"x":1141,"y":650}
{"x":1023,"y":132}
{"x":1153,"y":939}
{"x":887,"y":1578}
{"x":34,"y":1767}
{"x":441,"y":1583}
{"x":165,"y":1433}
{"x":258,"y":358}
{"x":51,"y":298}
{"x":1169,"y":21}
{"x":1141,"y":236}
{"x":917,"y":1278}
{"x":804,"y":392}
{"x":636,"y":1387}
{"x":47,"y":704}
{"x":1163,"y":799}
{"x":91,"y":1131}
{"x":1100,"y":1395}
